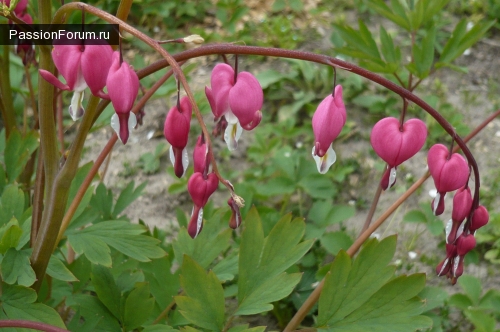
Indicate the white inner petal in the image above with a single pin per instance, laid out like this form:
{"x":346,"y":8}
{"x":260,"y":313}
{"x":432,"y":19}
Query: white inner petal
{"x":199,"y":222}
{"x":444,"y":266}
{"x":447,"y":229}
{"x":456,"y":260}
{"x":172,"y":156}
{"x":115,"y":124}
{"x":232,"y":134}
{"x":324,"y":163}
{"x":435,"y":202}
{"x":132,"y":122}
{"x":76,"y":108}
{"x":185,"y":160}
{"x":231,"y":118}
{"x":392,"y":176}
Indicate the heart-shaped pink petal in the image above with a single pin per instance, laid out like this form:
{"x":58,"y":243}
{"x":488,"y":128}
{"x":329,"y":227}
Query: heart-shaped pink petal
{"x":395,"y":146}
{"x":449,"y":174}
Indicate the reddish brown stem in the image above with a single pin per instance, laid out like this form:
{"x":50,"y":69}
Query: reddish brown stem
{"x":30,"y":325}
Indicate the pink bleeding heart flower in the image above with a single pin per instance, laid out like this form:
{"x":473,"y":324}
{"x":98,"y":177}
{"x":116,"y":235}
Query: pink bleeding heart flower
{"x":444,"y":267}
{"x":327,"y":122}
{"x":123,"y":86}
{"x":448,"y":172}
{"x":200,"y":188}
{"x":176,"y":131}
{"x":465,"y":243}
{"x":200,"y":156}
{"x":238,"y":98}
{"x":81,"y":66}
{"x":479,"y":218}
{"x":462,"y":204}
{"x":395,"y":144}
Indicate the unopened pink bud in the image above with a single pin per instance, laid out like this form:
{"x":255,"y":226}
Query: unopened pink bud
{"x":462,"y":203}
{"x":178,"y":123}
{"x":465,"y":243}
{"x":328,"y":121}
{"x":235,"y":220}
{"x":201,"y":188}
{"x":200,"y":156}
{"x":479,"y":218}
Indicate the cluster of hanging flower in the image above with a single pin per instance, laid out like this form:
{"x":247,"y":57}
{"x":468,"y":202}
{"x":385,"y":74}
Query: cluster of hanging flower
{"x":97,"y":67}
{"x":25,"y":49}
{"x":450,"y":173}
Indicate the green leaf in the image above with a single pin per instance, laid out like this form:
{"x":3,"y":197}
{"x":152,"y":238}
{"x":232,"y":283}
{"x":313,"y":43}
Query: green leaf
{"x":334,"y":242}
{"x":93,"y":310}
{"x":159,"y":328}
{"x":203,"y":304}
{"x":125,"y":237}
{"x":138,"y":306}
{"x":263,"y":261}
{"x":415,"y":216}
{"x":424,"y":55}
{"x":388,"y":49}
{"x":127,"y":196}
{"x":461,"y":40}
{"x":380,"y":7}
{"x":16,"y":267}
{"x":162,"y":283}
{"x":57,"y":270}
{"x":18,"y":302}
{"x":106,"y":289}
{"x":10,"y":234}
{"x":207,"y":245}
{"x":11,"y":204}
{"x":360,"y":295}
{"x":483,"y":322}
{"x":472,"y":287}
{"x":18,"y":150}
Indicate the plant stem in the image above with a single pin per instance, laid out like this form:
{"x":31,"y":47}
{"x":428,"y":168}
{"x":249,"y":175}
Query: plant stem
{"x":313,"y":298}
{"x":8,"y":114}
{"x":36,"y":214}
{"x":56,"y":205}
{"x":373,"y":208}
{"x":32,"y":93}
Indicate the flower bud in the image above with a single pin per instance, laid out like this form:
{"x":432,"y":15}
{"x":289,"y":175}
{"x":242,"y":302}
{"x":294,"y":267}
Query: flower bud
{"x":462,"y":203}
{"x":479,"y":218}
{"x":465,"y":243}
{"x":200,"y":156}
{"x":176,"y":131}
{"x":235,"y":220}
{"x":201,"y":188}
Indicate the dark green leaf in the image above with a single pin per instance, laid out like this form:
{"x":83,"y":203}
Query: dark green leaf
{"x":57,"y":270}
{"x":127,"y":196}
{"x":11,"y":204}
{"x":16,"y":267}
{"x":203,"y":304}
{"x":18,"y":302}
{"x":263,"y":261}
{"x":138,"y":306}
{"x":106,"y":289}
{"x":334,"y":242}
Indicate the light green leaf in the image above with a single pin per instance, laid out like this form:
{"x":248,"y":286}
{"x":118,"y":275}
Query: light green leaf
{"x":18,"y":302}
{"x":106,"y":289}
{"x":125,"y":237}
{"x":263,"y":261}
{"x":17,"y":153}
{"x":75,"y":186}
{"x":207,"y":245}
{"x":57,"y":270}
{"x":16,"y":267}
{"x":472,"y":287}
{"x":10,"y":234}
{"x":158,"y":328}
{"x":11,"y":204}
{"x":335,"y":241}
{"x":461,"y":40}
{"x":127,"y":196}
{"x":162,"y":283}
{"x":388,"y":49}
{"x":138,"y":306}
{"x":380,"y":7}
{"x":203,"y":304}
{"x":483,"y":321}
{"x":360,"y":295}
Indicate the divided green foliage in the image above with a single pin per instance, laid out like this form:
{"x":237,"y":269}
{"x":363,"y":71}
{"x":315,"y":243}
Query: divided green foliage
{"x":18,"y":150}
{"x":362,"y":294}
{"x":208,"y":245}
{"x":94,"y":242}
{"x":11,"y":204}
{"x":18,"y":302}
{"x":262,"y":263}
{"x":203,"y":304}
